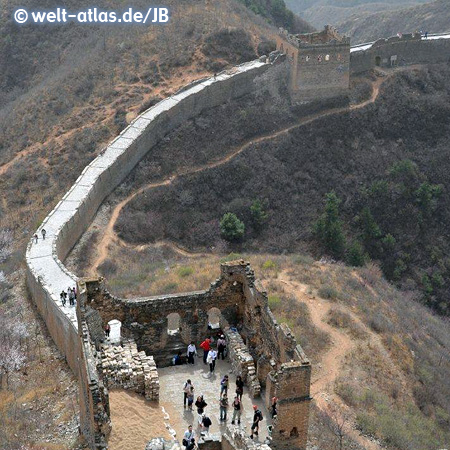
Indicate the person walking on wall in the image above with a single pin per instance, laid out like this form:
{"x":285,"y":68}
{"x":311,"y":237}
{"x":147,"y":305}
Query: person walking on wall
{"x":221,"y":346}
{"x":189,"y":436}
{"x":107,"y":330}
{"x":237,"y":410}
{"x":224,"y":385}
{"x":200,"y":404}
{"x":211,"y":360}
{"x":186,"y":390}
{"x":239,"y":387}
{"x":206,"y":422}
{"x":190,"y":398}
{"x":191,"y":351}
{"x":71,"y":298}
{"x":206,"y":346}
{"x":223,"y":403}
{"x":43,"y":233}
{"x":257,"y":417}
{"x":35,"y":237}
{"x":62,"y":296}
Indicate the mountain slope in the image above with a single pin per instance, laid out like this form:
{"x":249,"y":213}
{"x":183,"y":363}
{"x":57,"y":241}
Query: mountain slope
{"x":323,"y":12}
{"x":432,"y":17}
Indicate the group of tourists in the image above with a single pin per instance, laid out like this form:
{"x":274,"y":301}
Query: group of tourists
{"x":204,"y":422}
{"x":71,"y":294}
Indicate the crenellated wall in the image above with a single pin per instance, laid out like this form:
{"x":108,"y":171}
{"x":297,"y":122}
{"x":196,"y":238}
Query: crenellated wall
{"x":46,"y":274}
{"x":400,"y":51}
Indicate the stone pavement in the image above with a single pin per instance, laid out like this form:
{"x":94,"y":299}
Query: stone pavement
{"x":172,"y":380}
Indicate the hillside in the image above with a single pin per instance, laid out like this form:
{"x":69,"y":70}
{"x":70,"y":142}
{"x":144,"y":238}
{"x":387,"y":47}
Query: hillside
{"x":65,"y":91}
{"x":387,"y":163}
{"x":323,"y":12}
{"x":433,"y":17}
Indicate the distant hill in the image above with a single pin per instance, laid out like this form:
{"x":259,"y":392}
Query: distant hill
{"x":323,"y":12}
{"x":433,"y":17}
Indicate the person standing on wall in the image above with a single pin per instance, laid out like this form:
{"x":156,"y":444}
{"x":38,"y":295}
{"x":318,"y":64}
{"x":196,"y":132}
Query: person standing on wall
{"x":211,"y":360}
{"x":221,"y":346}
{"x":107,"y":330}
{"x":189,"y":436}
{"x":224,"y":385}
{"x":257,"y":417}
{"x":43,"y":234}
{"x":200,"y":405}
{"x":223,"y":403}
{"x":239,"y":387}
{"x":191,"y":351}
{"x":206,"y":346}
{"x":237,"y":410}
{"x":186,"y":390}
{"x":62,"y":296}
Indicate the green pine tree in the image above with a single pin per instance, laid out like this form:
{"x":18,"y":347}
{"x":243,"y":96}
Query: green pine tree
{"x":231,"y":228}
{"x":328,"y":228}
{"x":259,"y":215}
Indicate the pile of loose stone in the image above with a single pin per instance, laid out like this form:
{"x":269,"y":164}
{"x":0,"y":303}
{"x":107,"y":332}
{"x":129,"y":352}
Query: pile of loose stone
{"x":127,"y":368}
{"x":242,"y":362}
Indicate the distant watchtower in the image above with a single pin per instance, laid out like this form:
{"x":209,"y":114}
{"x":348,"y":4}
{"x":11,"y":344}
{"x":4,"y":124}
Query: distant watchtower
{"x":320,"y":64}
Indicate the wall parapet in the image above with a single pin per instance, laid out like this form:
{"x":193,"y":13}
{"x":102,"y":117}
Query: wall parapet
{"x":46,"y":274}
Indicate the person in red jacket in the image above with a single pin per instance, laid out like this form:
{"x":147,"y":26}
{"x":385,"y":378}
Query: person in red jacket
{"x":206,"y":346}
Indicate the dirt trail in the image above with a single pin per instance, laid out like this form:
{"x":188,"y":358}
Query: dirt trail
{"x":110,"y":236}
{"x":322,"y":385}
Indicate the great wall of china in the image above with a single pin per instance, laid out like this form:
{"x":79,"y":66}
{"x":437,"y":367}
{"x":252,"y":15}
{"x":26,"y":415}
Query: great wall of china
{"x":46,"y":274}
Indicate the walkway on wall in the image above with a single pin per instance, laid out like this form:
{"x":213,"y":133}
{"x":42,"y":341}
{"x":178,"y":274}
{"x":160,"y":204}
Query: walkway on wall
{"x":367,"y":45}
{"x":110,"y":236}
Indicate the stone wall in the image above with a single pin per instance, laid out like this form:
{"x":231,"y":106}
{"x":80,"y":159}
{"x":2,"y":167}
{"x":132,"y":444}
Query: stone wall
{"x":242,"y":362}
{"x":396,"y":51}
{"x":46,"y":275}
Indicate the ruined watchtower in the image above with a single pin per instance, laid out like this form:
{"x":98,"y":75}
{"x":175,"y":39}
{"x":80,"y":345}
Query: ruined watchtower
{"x":320,"y":64}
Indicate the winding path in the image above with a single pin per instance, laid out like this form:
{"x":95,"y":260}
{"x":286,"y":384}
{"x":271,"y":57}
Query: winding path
{"x":322,"y":387}
{"x":109,"y":234}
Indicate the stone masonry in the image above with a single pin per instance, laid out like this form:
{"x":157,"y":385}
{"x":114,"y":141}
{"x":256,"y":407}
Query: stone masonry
{"x":127,"y":368}
{"x":242,"y":362}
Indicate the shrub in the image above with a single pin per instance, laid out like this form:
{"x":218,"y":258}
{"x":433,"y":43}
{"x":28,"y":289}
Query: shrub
{"x":231,"y":228}
{"x":259,"y":216}
{"x":274,"y":302}
{"x":108,"y":268}
{"x":328,"y":292}
{"x":355,"y":256}
{"x":366,"y":424}
{"x":185,"y":271}
{"x":269,"y":265}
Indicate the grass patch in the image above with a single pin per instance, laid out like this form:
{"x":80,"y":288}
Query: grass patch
{"x":274,"y":302}
{"x":185,"y":271}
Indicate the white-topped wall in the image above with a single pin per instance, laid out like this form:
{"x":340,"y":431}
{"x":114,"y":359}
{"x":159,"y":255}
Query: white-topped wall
{"x":46,"y":274}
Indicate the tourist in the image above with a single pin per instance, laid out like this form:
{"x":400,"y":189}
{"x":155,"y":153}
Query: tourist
{"x":224,"y":385}
{"x":107,"y":330}
{"x":201,"y":405}
{"x":237,"y":410}
{"x":223,"y":403}
{"x":211,"y":360}
{"x":221,"y":346}
{"x":191,"y":351}
{"x":426,"y":34}
{"x":206,"y":422}
{"x":186,"y":390}
{"x":239,"y":387}
{"x":190,"y":398}
{"x":189,"y":436}
{"x":71,"y":297}
{"x":62,"y":296}
{"x":43,"y":233}
{"x":177,"y":360}
{"x":206,"y":346}
{"x":257,"y":417}
{"x":35,"y":237}
{"x":273,"y":407}
{"x":74,"y":290}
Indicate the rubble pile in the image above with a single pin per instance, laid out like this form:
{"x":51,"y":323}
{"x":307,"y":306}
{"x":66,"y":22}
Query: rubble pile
{"x":127,"y":368}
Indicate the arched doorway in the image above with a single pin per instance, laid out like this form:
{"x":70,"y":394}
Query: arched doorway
{"x":214,"y":316}
{"x":378,"y":61}
{"x":173,"y":324}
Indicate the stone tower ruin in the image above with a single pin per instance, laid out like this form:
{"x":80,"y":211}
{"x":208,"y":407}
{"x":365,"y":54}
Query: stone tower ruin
{"x":320,"y":64}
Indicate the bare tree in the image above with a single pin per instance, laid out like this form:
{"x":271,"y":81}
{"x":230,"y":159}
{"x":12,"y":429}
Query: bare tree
{"x":337,"y":422}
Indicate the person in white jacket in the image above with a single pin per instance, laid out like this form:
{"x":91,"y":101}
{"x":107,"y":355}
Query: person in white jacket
{"x":191,"y":351}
